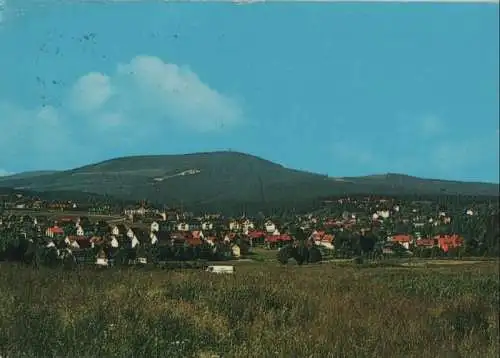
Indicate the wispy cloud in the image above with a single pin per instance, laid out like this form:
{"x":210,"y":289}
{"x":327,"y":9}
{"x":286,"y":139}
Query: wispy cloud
{"x":346,"y":151}
{"x":419,"y":145}
{"x":431,"y":125}
{"x":41,"y":134}
{"x":3,"y":5}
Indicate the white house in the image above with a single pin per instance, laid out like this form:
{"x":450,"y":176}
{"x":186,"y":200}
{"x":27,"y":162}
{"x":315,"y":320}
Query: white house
{"x":248,"y":225}
{"x":207,"y":225}
{"x":74,"y":244}
{"x":234,"y":225}
{"x":383,"y":213}
{"x":115,"y":231}
{"x":325,"y":244}
{"x":130,"y":234}
{"x":140,"y":211}
{"x":153,"y":237}
{"x":236,"y":251}
{"x":270,"y":226}
{"x":155,"y":227}
{"x":79,"y":231}
{"x":134,"y":242}
{"x":114,"y":242}
{"x":183,"y":227}
{"x":469,"y":212}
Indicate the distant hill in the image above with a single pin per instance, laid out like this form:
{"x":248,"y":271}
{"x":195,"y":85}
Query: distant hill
{"x":25,"y":175}
{"x":414,"y":185}
{"x":217,"y":179}
{"x":78,"y":196}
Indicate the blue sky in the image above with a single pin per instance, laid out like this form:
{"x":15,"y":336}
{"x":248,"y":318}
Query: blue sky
{"x":340,"y":89}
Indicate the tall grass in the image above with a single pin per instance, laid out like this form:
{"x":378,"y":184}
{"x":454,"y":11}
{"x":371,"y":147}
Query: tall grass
{"x":263,"y":310}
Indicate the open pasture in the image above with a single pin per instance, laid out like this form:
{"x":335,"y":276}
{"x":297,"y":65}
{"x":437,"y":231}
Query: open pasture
{"x":263,"y":310}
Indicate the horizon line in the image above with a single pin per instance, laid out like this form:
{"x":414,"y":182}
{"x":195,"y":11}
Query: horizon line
{"x":9,"y":174}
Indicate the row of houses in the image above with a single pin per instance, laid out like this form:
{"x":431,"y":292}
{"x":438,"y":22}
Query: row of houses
{"x":444,"y":242}
{"x":269,"y":232}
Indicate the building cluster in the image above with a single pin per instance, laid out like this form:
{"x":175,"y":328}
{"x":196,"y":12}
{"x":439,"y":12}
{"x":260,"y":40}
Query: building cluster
{"x":408,"y":225}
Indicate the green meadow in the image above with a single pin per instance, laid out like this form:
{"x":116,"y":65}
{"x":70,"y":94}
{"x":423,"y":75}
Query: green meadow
{"x":263,"y":310}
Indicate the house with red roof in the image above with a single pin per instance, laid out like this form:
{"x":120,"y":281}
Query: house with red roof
{"x":403,"y":240}
{"x":194,"y":241}
{"x":77,"y":242}
{"x":273,"y":241}
{"x":447,"y":242}
{"x":54,"y":231}
{"x":426,"y":243}
{"x":255,"y":234}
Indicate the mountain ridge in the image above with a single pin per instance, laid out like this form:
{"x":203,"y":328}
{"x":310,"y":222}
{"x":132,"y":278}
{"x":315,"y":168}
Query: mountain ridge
{"x":213,"y":178}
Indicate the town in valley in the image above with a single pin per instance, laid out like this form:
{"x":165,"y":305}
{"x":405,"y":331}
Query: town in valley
{"x":357,"y":227}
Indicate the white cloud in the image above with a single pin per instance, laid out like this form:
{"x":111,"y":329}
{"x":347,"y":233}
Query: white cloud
{"x":155,"y":91}
{"x":179,"y":94}
{"x":128,"y":109}
{"x":90,"y":92}
{"x":4,"y":173}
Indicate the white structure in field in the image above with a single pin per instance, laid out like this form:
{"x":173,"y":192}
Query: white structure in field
{"x":270,"y":226}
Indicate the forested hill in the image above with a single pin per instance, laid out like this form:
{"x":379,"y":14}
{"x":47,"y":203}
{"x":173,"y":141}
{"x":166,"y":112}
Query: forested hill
{"x":217,"y":179}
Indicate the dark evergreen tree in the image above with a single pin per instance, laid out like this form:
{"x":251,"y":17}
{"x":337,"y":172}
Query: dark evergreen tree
{"x":315,"y":254}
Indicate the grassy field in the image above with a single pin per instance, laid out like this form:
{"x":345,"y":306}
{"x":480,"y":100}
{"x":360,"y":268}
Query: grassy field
{"x":264,"y":310}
